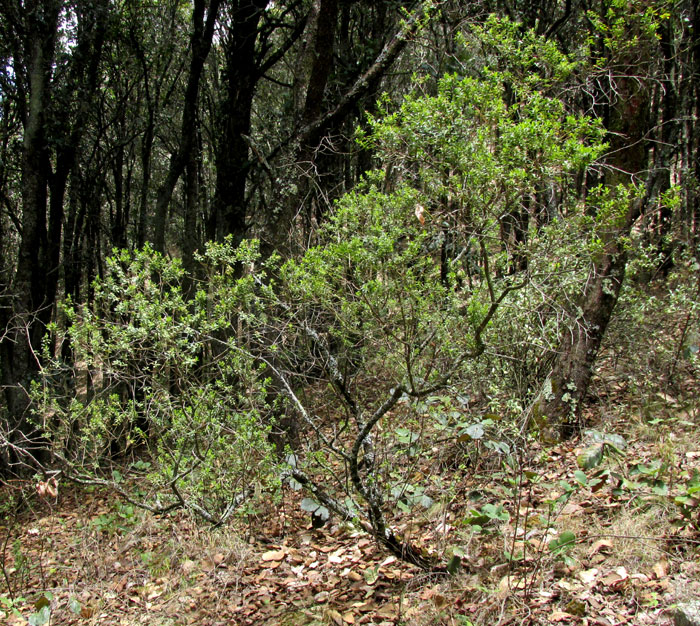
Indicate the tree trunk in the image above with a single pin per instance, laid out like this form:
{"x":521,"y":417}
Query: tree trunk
{"x":565,"y":390}
{"x":202,"y":34}
{"x":241,"y":75}
{"x":318,"y":120}
{"x":22,"y":331}
{"x":567,"y":385}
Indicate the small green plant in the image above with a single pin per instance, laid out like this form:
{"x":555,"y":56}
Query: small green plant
{"x":167,"y":379}
{"x":9,"y":605}
{"x":42,"y":614}
{"x":489,"y":514}
{"x":561,"y":545}
{"x":408,"y":496}
{"x":688,"y":501}
{"x":121,"y":520}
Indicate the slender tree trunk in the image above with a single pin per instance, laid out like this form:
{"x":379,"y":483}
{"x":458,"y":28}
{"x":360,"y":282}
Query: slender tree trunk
{"x":280,"y":237}
{"x":241,"y":75}
{"x":202,"y":34}
{"x":562,"y":398}
{"x":278,"y":224}
{"x":568,"y":383}
{"x":22,"y":332}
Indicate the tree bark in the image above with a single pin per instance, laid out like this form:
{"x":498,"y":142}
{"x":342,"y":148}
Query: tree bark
{"x":315,"y":121}
{"x":22,"y":331}
{"x":566,"y":387}
{"x":560,"y":402}
{"x":241,"y":75}
{"x":200,"y":41}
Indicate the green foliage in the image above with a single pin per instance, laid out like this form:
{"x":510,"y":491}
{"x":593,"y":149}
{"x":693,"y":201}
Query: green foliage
{"x":161,"y":375}
{"x":562,"y":544}
{"x":478,"y":519}
{"x":402,"y":292}
{"x":471,"y":145}
{"x":9,"y":606}
{"x":688,"y":501}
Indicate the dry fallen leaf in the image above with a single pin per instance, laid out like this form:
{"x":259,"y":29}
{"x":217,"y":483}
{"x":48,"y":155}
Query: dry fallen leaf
{"x":588,"y":576}
{"x":509,"y":583}
{"x":560,"y":616}
{"x":615,"y":578}
{"x":603,"y":545}
{"x":388,"y":610}
{"x":439,"y":601}
{"x":337,"y":557}
{"x":274,"y":555}
{"x":660,"y":568}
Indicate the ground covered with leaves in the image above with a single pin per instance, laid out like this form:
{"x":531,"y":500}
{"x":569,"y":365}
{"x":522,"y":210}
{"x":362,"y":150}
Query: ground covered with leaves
{"x":601,"y":530}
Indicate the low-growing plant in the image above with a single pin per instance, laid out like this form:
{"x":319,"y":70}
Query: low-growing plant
{"x":167,"y":380}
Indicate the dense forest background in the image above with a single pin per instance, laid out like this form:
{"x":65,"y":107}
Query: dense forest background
{"x":240,"y":239}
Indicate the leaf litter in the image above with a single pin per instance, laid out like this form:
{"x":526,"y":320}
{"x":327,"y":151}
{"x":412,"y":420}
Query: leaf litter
{"x":276,"y":568}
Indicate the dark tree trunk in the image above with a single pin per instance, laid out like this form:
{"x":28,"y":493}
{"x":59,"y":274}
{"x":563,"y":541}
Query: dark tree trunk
{"x":565,"y":391}
{"x":317,"y":120}
{"x":200,"y":41}
{"x":280,"y":238}
{"x":241,"y":75}
{"x":53,"y":117}
{"x":568,"y":382}
{"x":23,"y":332}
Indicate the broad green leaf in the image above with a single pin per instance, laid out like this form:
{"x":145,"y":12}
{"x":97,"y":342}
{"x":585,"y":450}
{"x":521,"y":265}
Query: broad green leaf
{"x":40,"y":617}
{"x":475,"y":431}
{"x":307,"y":504}
{"x":565,"y":540}
{"x":454,"y":565}
{"x":75,"y":606}
{"x":371,"y":574}
{"x":581,"y":477}
{"x":590,"y":457}
{"x":322,"y":512}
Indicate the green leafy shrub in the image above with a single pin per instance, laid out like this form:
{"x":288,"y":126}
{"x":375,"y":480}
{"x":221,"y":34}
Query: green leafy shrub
{"x":167,"y":380}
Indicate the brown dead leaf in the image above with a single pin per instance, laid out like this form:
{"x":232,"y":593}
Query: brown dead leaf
{"x":348,"y":618}
{"x":388,"y":610}
{"x":337,"y":557}
{"x":616,"y":577}
{"x":321,"y":597}
{"x":439,"y":601}
{"x":509,"y":583}
{"x":274,"y":555}
{"x":660,"y":568}
{"x":588,"y":576}
{"x":420,"y":214}
{"x":560,"y":616}
{"x":335,"y":616}
{"x":219,"y":558}
{"x":603,"y":545}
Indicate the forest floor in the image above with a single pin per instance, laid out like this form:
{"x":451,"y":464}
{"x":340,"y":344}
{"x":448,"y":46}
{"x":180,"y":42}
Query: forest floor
{"x":624,"y":548}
